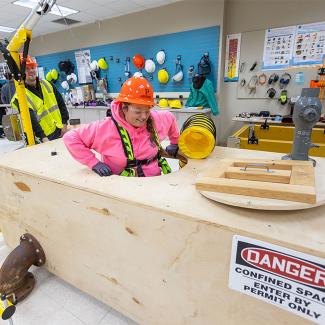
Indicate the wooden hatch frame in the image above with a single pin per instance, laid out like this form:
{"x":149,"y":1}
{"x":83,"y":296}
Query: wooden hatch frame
{"x":289,"y":180}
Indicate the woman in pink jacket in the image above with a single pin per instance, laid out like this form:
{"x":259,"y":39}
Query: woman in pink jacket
{"x":129,"y":140}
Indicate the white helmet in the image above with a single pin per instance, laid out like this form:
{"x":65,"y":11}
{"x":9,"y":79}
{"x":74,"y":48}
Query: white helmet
{"x":94,"y":65}
{"x":160,"y":57}
{"x":65,"y":85}
{"x":150,"y":66}
{"x":137,"y":74}
{"x":72,"y":78}
{"x":178,"y":76}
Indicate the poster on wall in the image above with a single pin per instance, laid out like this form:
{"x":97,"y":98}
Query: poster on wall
{"x":3,"y":70}
{"x":41,"y":73}
{"x":278,"y":47}
{"x":232,"y":57}
{"x":309,"y":44}
{"x":83,"y":60}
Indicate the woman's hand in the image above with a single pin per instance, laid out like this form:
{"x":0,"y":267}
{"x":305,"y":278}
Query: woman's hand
{"x":172,"y":150}
{"x":102,"y":169}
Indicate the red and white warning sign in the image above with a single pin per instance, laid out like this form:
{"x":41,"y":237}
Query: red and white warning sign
{"x":286,"y":278}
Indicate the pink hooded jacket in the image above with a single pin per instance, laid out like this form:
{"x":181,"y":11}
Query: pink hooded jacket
{"x":103,"y":137}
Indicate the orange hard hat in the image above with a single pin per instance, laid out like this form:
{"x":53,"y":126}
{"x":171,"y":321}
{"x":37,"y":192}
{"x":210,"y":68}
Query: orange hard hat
{"x":30,"y":62}
{"x":136,"y":91}
{"x":138,"y":61}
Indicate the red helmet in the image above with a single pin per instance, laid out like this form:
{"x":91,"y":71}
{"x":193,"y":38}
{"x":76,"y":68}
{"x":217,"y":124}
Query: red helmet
{"x":138,"y":61}
{"x":30,"y":62}
{"x":136,"y":91}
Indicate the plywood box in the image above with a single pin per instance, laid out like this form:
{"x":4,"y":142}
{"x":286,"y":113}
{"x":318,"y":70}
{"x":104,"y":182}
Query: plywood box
{"x":153,"y":248}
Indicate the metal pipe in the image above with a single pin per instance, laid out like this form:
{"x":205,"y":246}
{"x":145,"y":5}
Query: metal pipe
{"x":15,"y":279}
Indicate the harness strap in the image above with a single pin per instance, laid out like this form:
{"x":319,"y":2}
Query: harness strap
{"x":134,"y":166}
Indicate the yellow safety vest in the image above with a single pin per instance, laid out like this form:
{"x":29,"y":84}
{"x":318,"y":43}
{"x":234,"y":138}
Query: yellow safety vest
{"x":47,"y":110}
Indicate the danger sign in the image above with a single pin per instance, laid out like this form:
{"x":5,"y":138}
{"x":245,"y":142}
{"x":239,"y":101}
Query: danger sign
{"x":288,"y":279}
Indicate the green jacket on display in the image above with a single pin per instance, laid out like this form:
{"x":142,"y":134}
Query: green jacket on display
{"x":203,"y":97}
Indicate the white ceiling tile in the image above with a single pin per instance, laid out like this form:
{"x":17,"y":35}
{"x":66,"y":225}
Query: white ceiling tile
{"x":90,"y":11}
{"x":125,"y":6}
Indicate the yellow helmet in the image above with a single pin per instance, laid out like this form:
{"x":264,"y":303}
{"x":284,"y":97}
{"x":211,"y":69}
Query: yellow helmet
{"x":49,"y":76}
{"x":163,"y":103}
{"x":163,"y":76}
{"x":102,"y":64}
{"x":54,"y":74}
{"x":175,"y":103}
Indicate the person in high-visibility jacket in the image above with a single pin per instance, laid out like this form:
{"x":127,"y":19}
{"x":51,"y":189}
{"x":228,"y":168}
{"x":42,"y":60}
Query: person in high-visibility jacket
{"x":129,"y":139}
{"x":48,"y":112}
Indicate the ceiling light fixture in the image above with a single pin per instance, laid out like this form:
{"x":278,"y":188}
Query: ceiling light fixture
{"x":7,"y":29}
{"x":56,"y":10}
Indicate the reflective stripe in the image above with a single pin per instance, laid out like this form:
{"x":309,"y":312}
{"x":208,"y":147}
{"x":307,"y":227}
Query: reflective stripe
{"x":31,"y":103}
{"x":44,"y":113}
{"x":46,"y":86}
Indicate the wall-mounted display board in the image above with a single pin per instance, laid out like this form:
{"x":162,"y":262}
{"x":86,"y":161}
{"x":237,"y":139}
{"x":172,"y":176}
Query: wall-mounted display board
{"x":278,"y":47}
{"x":252,"y":48}
{"x":300,"y":45}
{"x":190,"y":45}
{"x":310,"y":44}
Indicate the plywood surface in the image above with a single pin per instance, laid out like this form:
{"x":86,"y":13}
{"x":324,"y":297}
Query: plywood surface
{"x":155,"y":249}
{"x":176,"y":193}
{"x":268,"y":184}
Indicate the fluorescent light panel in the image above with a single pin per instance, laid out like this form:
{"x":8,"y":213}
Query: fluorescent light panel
{"x":56,"y":10}
{"x":7,"y":29}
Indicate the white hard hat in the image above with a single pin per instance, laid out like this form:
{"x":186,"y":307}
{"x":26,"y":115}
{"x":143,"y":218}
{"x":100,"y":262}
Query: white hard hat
{"x":178,"y":76}
{"x":72,"y":78}
{"x":94,"y":65}
{"x":65,"y":85}
{"x":137,"y":74}
{"x":150,"y":66}
{"x":160,"y":57}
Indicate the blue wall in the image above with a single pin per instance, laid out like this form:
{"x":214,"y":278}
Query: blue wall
{"x":189,"y":44}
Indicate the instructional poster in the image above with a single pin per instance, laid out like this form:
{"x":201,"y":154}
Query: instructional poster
{"x":309,"y":44}
{"x":278,"y":47}
{"x":232,"y":57}
{"x":279,"y":276}
{"x":83,"y":66}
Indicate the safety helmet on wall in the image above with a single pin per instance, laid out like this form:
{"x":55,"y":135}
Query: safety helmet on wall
{"x":71,"y":78}
{"x":137,"y":74}
{"x":178,"y":76}
{"x":175,"y":103}
{"x":102,"y":64}
{"x":65,"y":85}
{"x":163,"y":76}
{"x":66,"y":66}
{"x":138,"y":61}
{"x":150,"y":66}
{"x":30,"y":62}
{"x":48,"y":76}
{"x":160,"y":57}
{"x":136,"y":91}
{"x":94,"y":65}
{"x":54,"y":74}
{"x":163,"y":103}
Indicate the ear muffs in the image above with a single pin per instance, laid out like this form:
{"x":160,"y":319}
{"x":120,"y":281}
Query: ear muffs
{"x":271,"y":92}
{"x":273,"y":78}
{"x":284,"y":80}
{"x":283,"y":98}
